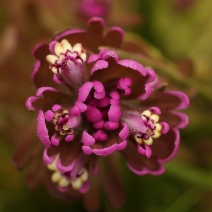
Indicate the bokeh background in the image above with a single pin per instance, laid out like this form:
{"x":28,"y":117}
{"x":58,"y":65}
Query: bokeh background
{"x":176,"y":38}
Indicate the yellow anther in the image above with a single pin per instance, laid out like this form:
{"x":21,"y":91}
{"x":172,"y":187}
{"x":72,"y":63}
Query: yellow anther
{"x":155,"y":117}
{"x":66,"y":45}
{"x":146,"y":113}
{"x":65,"y":112}
{"x":56,"y":115}
{"x":55,"y":121}
{"x":83,"y":56}
{"x":54,"y":70}
{"x":148,"y":141}
{"x":58,"y":49}
{"x":56,"y":176}
{"x":53,"y":166}
{"x":84,"y":176}
{"x":156,"y":135}
{"x":62,"y":133}
{"x":71,"y":131}
{"x":138,"y":140}
{"x":64,"y":182}
{"x":51,"y":58}
{"x":77,"y":48}
{"x":76,"y":184}
{"x":158,"y":127}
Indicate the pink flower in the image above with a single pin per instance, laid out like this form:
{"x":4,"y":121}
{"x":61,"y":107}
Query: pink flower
{"x":92,"y":8}
{"x":92,"y":103}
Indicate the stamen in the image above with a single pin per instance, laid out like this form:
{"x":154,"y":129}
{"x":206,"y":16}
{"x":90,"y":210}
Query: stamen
{"x":153,"y":129}
{"x":156,"y":135}
{"x":65,"y":127}
{"x":149,"y":141}
{"x":51,"y":58}
{"x":66,"y":45}
{"x":60,"y":121}
{"x":58,"y":49}
{"x":155,"y":117}
{"x":76,"y":184}
{"x":53,"y":166}
{"x":65,"y":55}
{"x":84,"y":176}
{"x":158,"y":127}
{"x":56,"y":176}
{"x":64,"y":182}
{"x":146,"y":113}
{"x":138,"y":139}
{"x":148,"y":131}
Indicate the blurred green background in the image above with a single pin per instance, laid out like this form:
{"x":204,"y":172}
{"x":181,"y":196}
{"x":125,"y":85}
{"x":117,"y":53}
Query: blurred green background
{"x":176,"y":36}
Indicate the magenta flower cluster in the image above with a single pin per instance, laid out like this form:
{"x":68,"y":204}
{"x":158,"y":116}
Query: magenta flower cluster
{"x":91,"y":104}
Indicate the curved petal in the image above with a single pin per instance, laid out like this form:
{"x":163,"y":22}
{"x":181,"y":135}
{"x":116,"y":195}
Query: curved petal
{"x":114,"y":37}
{"x":147,"y":151}
{"x":46,"y":98}
{"x":183,"y":99}
{"x":139,"y":163}
{"x":47,"y":158}
{"x":93,"y":58}
{"x":183,"y":117}
{"x":72,"y":35}
{"x":133,"y":65}
{"x":165,"y":147}
{"x":69,"y":152}
{"x":41,"y":74}
{"x":95,"y":33}
{"x":30,"y":101}
{"x":42,"y":130}
{"x":100,"y":64}
{"x":84,"y":91}
{"x":167,"y":100}
{"x":107,"y":147}
{"x":126,"y":69}
{"x":63,"y":168}
{"x":85,"y":187}
{"x":174,"y":119}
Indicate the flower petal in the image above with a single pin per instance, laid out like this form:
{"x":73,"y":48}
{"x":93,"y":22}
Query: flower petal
{"x":100,"y":64}
{"x":41,"y":74}
{"x":114,"y":37}
{"x":105,"y":148}
{"x":165,"y":147}
{"x":124,"y":69}
{"x":174,"y":119}
{"x":95,"y":33}
{"x":72,"y":35}
{"x":139,"y":163}
{"x":87,"y":139}
{"x":42,"y":130}
{"x":167,"y":100}
{"x":84,"y":91}
{"x":68,"y":151}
